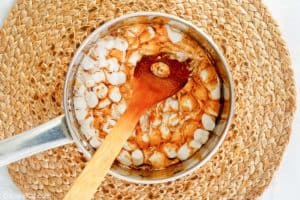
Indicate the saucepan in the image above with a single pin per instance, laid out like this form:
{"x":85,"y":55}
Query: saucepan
{"x":64,"y":130}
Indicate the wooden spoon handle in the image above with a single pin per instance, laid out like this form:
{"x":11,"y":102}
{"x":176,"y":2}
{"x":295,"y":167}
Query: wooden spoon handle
{"x":93,"y":174}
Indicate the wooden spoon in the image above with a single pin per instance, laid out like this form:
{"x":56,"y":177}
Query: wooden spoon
{"x":148,"y":89}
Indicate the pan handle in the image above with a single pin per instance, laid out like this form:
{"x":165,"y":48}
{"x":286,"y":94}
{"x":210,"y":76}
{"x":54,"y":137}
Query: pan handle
{"x":49,"y":135}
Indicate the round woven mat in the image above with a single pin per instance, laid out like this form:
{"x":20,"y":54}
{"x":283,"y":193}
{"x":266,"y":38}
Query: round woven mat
{"x":38,"y":41}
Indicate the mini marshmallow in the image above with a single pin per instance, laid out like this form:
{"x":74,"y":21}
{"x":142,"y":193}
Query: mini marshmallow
{"x":88,"y":80}
{"x":155,"y":123}
{"x":100,"y":90}
{"x":165,"y":118}
{"x":173,"y":119}
{"x":87,"y":129}
{"x":188,"y":103}
{"x":108,"y":125}
{"x":195,"y":144}
{"x":165,"y":132}
{"x":208,"y":122}
{"x":79,"y":90}
{"x":181,"y":56}
{"x":98,"y":77}
{"x":137,"y":157}
{"x":134,"y":58}
{"x":145,"y":138}
{"x":79,"y":103}
{"x":215,"y":94}
{"x":128,"y":146}
{"x":116,"y":78}
{"x":110,"y":42}
{"x":120,"y":44}
{"x":204,"y":75}
{"x":151,"y":32}
{"x":87,"y":63}
{"x":201,"y":135}
{"x":91,"y":99}
{"x":124,"y":158}
{"x":144,"y":122}
{"x":115,"y":94}
{"x":170,"y":150}
{"x":157,"y":159}
{"x":101,"y":50}
{"x":113,"y":65}
{"x":121,"y":107}
{"x":95,"y":142}
{"x":103,"y":103}
{"x":183,"y":152}
{"x":81,"y":114}
{"x":174,"y":35}
{"x":171,"y":104}
{"x":117,"y":110}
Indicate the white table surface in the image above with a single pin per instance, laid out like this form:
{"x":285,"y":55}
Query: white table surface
{"x":286,"y":182}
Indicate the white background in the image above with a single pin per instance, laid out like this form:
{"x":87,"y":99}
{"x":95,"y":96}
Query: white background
{"x":286,"y":182}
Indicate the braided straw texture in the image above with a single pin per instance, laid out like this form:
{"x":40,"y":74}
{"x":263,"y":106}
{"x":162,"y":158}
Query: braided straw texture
{"x":38,"y":41}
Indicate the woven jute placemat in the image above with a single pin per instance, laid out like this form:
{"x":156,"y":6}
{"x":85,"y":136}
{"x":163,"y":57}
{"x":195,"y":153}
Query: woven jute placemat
{"x":38,"y":41}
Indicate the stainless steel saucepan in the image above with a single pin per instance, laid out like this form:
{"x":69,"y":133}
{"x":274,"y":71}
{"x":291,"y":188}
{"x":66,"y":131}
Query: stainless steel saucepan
{"x":64,"y":129}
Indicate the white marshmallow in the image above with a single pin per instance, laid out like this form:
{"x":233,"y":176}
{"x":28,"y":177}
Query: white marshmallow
{"x":157,"y":158}
{"x":156,"y":122}
{"x":88,"y":80}
{"x":165,"y":132}
{"x":170,"y":150}
{"x":116,"y":78}
{"x":137,"y":157}
{"x":120,"y":44}
{"x":101,"y":50}
{"x":79,"y":103}
{"x":121,"y":107}
{"x":145,"y":138}
{"x":215,"y":94}
{"x":201,"y":135}
{"x":208,"y":122}
{"x":195,"y":144}
{"x":174,"y":35}
{"x":100,"y":90}
{"x":110,"y":42}
{"x":117,"y":110}
{"x":113,"y":65}
{"x":91,"y":99}
{"x":87,"y":63}
{"x":104,"y":103}
{"x":95,"y":142}
{"x":171,"y":104}
{"x":79,"y":90}
{"x":144,"y":122}
{"x":108,"y":125}
{"x":173,"y":119}
{"x":128,"y":146}
{"x":98,"y":77}
{"x":124,"y":158}
{"x":183,"y":152}
{"x":134,"y":58}
{"x":181,"y":56}
{"x":204,"y":75}
{"x":80,"y":114}
{"x":114,"y":94}
{"x":165,"y":118}
{"x":151,"y":31}
{"x":87,"y":129}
